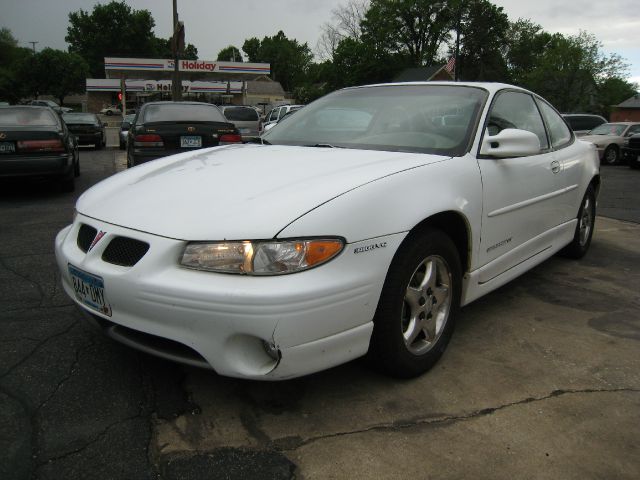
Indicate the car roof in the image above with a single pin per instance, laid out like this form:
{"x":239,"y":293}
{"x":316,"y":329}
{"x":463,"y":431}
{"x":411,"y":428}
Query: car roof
{"x":490,"y":86}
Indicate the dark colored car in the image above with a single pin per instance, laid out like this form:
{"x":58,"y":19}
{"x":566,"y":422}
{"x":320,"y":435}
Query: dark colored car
{"x":631,"y":151}
{"x":161,"y":129}
{"x":124,"y":129}
{"x":35,"y":142}
{"x":51,"y":104}
{"x":583,"y":123}
{"x":87,"y":127}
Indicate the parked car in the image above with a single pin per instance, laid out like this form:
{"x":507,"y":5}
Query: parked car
{"x":631,"y":150}
{"x":35,"y":142}
{"x":270,"y":125}
{"x":124,"y":129}
{"x":609,"y":139}
{"x":167,"y":128}
{"x":333,"y":240}
{"x":277,"y":113}
{"x":246,"y":119}
{"x":111,"y":110}
{"x":51,"y":104}
{"x":87,"y":127}
{"x":583,"y":123}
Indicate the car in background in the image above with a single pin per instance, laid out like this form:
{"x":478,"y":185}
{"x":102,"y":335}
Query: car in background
{"x":583,"y":123}
{"x":280,"y":120}
{"x":609,"y":139}
{"x":124,"y":129}
{"x":51,"y":104}
{"x":87,"y":127}
{"x":167,"y":128}
{"x":631,"y":151}
{"x":332,"y":239}
{"x":111,"y":110}
{"x":278,"y":112}
{"x":245,"y":118}
{"x":35,"y":142}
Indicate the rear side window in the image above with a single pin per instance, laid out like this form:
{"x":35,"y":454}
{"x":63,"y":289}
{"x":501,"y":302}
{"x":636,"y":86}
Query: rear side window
{"x":170,"y":112}
{"x":558,"y":130}
{"x":25,"y":116}
{"x":241,"y":114}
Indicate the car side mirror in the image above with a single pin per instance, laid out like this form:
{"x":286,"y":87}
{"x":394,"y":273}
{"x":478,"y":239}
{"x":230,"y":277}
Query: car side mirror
{"x":510,"y":142}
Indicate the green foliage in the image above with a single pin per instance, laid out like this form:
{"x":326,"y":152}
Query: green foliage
{"x":58,"y":73}
{"x":415,"y":29}
{"x":229,"y":54}
{"x":483,"y":28}
{"x":613,"y":91}
{"x":115,"y":29}
{"x":289,"y":59}
{"x":12,"y":71}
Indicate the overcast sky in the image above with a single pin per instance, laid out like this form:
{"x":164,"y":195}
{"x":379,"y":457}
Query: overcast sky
{"x":212,"y":25}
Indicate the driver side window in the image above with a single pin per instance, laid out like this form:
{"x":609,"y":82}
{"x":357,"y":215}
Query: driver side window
{"x":516,"y":110}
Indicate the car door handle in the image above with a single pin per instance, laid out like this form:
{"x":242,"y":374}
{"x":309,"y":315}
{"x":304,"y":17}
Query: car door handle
{"x":555,"y":166}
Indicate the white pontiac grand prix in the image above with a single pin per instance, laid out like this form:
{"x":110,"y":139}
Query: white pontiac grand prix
{"x":359,"y":226}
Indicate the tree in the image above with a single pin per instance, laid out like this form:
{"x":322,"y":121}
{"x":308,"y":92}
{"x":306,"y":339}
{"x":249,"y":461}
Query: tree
{"x":613,"y":91}
{"x":11,"y":58}
{"x":112,"y":29}
{"x":115,"y":29}
{"x":229,"y":54}
{"x":524,"y":46}
{"x":483,"y":28}
{"x":347,"y":21}
{"x":289,"y":59}
{"x":413,"y":28}
{"x":59,"y":73}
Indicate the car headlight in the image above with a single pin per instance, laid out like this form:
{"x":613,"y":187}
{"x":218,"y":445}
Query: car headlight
{"x":275,"y":257}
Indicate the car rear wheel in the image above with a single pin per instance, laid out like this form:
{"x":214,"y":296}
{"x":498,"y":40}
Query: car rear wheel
{"x":584,"y":229}
{"x":416,"y":313}
{"x":611,"y":155}
{"x":76,"y":166}
{"x":109,"y":113}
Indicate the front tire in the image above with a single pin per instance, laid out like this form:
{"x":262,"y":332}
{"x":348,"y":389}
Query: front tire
{"x":611,"y":155}
{"x":584,"y":229}
{"x":416,"y":313}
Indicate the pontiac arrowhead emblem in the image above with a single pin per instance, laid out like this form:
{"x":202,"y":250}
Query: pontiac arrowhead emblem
{"x":97,"y":238}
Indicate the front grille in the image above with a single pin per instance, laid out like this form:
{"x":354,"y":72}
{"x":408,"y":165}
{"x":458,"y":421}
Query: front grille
{"x":86,"y":234}
{"x":124,"y":251}
{"x":634,"y":142}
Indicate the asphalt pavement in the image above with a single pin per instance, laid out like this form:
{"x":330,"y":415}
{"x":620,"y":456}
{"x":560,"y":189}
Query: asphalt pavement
{"x":541,"y":379}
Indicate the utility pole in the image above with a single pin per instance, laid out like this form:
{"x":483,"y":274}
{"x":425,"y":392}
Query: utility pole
{"x":33,"y":44}
{"x":176,"y":43}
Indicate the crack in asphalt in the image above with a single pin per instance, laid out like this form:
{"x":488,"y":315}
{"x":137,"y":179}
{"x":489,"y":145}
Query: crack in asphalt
{"x":37,"y":348}
{"x":27,"y":279}
{"x":72,"y":367}
{"x":288,"y":444}
{"x":95,"y":439}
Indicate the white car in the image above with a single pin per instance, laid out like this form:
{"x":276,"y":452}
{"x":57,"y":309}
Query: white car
{"x":360,"y":228}
{"x":610,"y":138}
{"x":277,"y":114}
{"x":111,"y":110}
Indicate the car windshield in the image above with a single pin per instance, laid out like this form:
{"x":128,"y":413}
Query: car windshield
{"x":182,"y":112}
{"x":241,"y":114}
{"x":408,"y":118}
{"x":28,"y":116}
{"x":88,"y":118}
{"x":609,"y":129}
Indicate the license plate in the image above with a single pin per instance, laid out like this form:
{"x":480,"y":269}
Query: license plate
{"x":89,"y":290}
{"x":7,"y":147}
{"x":190,"y":142}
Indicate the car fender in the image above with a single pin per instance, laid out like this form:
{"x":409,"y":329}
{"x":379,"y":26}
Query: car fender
{"x":398,"y":203}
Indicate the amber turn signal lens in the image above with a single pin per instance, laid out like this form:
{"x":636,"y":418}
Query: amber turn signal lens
{"x":319,"y":251}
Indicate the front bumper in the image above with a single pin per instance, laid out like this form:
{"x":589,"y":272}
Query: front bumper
{"x":315,"y":319}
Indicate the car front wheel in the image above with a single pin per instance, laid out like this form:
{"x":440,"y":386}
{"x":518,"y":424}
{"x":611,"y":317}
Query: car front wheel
{"x":611,"y":155}
{"x":417,"y":308}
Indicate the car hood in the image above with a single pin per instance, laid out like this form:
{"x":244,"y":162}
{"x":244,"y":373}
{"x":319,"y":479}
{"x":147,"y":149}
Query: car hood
{"x":236,"y":192}
{"x":600,"y":138}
